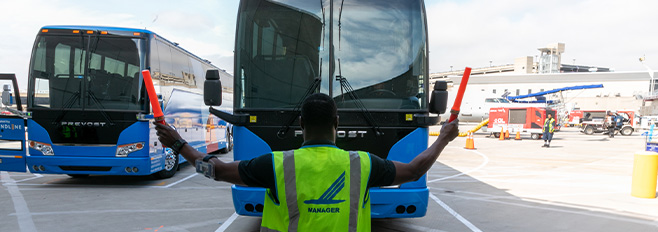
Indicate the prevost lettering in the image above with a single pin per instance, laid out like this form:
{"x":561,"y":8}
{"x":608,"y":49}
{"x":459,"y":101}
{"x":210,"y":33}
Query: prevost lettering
{"x":342,"y":134}
{"x":89,"y":124}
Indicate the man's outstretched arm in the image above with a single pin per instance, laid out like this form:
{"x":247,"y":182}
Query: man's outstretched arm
{"x":223,"y":171}
{"x":424,"y":161}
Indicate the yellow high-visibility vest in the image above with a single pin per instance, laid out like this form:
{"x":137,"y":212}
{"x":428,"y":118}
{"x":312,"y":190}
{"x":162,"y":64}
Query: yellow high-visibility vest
{"x":319,"y":188}
{"x":548,"y":124}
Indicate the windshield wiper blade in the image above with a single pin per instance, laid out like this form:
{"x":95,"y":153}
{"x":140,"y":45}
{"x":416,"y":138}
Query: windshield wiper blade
{"x":99,"y":105}
{"x":344,"y":84}
{"x":286,"y":127}
{"x":340,"y":15}
{"x":69,"y":103}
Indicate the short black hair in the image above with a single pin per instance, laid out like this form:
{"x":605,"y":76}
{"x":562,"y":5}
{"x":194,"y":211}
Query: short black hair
{"x":319,"y":111}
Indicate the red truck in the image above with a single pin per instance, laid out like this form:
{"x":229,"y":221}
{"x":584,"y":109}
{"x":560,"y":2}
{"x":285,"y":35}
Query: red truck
{"x":526,"y":120}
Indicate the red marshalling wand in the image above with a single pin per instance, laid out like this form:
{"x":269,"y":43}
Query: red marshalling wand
{"x":153,"y":97}
{"x":454,"y":112}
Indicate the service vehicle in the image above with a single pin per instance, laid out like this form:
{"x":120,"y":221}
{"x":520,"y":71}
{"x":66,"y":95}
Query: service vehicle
{"x":596,"y":123}
{"x":526,"y":120}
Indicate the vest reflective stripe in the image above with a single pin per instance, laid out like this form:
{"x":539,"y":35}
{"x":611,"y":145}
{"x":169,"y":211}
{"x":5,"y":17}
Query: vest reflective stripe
{"x":313,"y":193}
{"x":548,"y":124}
{"x":355,"y":188}
{"x":291,"y":189}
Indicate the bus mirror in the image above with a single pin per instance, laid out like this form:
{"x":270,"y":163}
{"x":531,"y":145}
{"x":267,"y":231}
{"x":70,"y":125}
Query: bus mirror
{"x":439,"y":98}
{"x":6,"y":95}
{"x":212,"y":88}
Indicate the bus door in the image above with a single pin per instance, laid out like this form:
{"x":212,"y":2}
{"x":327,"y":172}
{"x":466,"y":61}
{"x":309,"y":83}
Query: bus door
{"x":12,"y":143}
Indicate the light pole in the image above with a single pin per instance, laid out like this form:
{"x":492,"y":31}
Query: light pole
{"x":651,"y":88}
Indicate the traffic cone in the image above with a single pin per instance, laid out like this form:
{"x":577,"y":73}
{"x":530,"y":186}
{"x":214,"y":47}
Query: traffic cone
{"x":507,"y":134}
{"x":470,"y":144}
{"x":518,"y":135}
{"x":502,"y":134}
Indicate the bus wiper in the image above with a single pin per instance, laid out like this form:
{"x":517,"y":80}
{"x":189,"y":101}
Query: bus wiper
{"x":323,"y":25}
{"x":69,"y":103}
{"x":99,"y":105}
{"x":344,"y":84}
{"x":286,"y":127}
{"x":340,"y":14}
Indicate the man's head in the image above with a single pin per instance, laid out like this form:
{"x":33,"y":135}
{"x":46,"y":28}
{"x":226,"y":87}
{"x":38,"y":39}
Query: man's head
{"x":319,"y":116}
{"x":549,"y":115}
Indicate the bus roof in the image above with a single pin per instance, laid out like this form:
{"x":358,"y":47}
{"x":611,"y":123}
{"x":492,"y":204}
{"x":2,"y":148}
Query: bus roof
{"x":126,"y":29}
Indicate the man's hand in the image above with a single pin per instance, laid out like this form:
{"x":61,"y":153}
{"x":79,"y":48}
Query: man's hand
{"x":424,"y":161}
{"x":166,"y":134}
{"x":449,"y":130}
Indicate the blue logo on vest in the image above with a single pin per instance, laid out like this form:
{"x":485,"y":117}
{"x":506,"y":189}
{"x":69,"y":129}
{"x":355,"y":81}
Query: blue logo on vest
{"x":328,"y":196}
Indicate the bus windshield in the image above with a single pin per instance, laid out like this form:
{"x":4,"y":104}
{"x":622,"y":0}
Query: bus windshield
{"x":379,"y":48}
{"x":86,"y":72}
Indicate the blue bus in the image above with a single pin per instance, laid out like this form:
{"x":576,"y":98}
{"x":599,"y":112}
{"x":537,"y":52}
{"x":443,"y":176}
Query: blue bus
{"x":88,"y":111}
{"x":369,"y":55}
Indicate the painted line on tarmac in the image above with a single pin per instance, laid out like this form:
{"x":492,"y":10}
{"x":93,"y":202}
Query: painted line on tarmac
{"x":181,"y":180}
{"x":227,"y":223}
{"x":571,"y":209}
{"x":484,"y":163}
{"x":122,"y":211}
{"x":36,"y":176}
{"x":455,"y":214}
{"x":25,"y":222}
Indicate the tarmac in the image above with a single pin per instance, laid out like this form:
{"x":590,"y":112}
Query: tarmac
{"x":581,"y":183}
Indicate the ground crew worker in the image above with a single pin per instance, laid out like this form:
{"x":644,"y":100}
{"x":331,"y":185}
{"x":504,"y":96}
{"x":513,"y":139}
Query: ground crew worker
{"x":548,"y":130}
{"x":318,"y":187}
{"x":610,"y":124}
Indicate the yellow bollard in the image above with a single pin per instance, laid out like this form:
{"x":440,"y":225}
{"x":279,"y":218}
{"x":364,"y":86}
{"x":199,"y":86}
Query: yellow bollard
{"x":645,"y":172}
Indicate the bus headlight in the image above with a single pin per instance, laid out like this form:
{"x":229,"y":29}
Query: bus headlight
{"x":124,"y":150}
{"x":44,"y":148}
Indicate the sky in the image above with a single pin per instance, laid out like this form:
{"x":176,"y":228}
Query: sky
{"x":473,"y":33}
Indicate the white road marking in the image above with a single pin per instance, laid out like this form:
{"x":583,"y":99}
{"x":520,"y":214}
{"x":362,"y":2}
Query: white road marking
{"x":36,"y":176}
{"x":586,"y":211}
{"x":181,"y":180}
{"x":227,"y":223}
{"x":455,"y":214}
{"x":121,"y":211}
{"x":484,"y":163}
{"x":25,"y":222}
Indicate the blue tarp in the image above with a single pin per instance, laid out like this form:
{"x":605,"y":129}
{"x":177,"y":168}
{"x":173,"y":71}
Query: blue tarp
{"x":514,"y":98}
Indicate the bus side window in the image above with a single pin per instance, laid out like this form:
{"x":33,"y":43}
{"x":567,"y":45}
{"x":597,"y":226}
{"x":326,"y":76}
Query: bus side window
{"x":165,"y":59}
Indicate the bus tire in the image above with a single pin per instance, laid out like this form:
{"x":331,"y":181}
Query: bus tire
{"x":496,"y":135}
{"x":626,"y":131}
{"x":535,"y":136}
{"x":229,"y":141}
{"x":170,"y":167}
{"x":589,"y":130}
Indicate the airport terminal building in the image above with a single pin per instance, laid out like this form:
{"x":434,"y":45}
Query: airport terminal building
{"x":621,"y":90}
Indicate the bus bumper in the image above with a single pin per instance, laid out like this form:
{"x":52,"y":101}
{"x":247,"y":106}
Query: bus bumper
{"x":385,"y":203}
{"x":93,"y":165}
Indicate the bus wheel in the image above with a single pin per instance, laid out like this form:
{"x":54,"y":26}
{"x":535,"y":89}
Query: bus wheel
{"x":496,"y":135}
{"x":170,"y":167}
{"x":626,"y":131}
{"x":229,"y":141}
{"x":534,"y":136}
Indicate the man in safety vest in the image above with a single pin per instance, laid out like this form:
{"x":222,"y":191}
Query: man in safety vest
{"x":318,"y":187}
{"x":548,"y":130}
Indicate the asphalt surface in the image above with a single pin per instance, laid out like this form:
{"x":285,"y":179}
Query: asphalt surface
{"x":581,"y":183}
